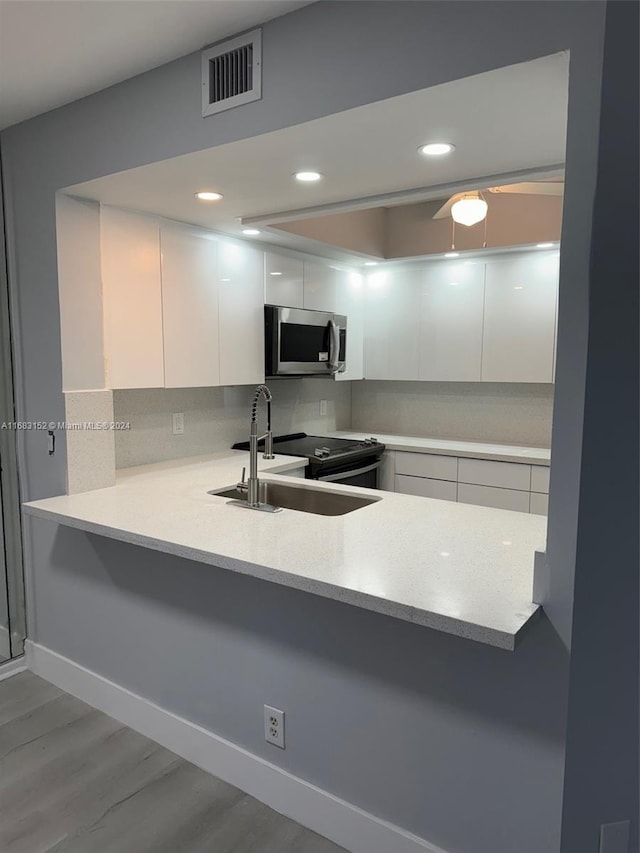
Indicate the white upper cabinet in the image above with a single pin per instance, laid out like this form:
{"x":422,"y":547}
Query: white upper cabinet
{"x":283,"y":280}
{"x":241,"y":313}
{"x":319,"y":286}
{"x":451,"y":321}
{"x":350,"y":302}
{"x":519,"y":318}
{"x":130,"y":260}
{"x":190,"y":309}
{"x":392,"y":324}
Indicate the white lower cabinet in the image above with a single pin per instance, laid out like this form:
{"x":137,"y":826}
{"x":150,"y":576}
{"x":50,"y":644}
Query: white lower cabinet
{"x":503,"y":475}
{"x":503,"y":485}
{"x":426,"y":487}
{"x":539,"y":503}
{"x":493,"y":497}
{"x":427,"y":465}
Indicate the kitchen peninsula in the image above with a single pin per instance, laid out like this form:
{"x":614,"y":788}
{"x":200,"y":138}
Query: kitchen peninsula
{"x":461,"y":569}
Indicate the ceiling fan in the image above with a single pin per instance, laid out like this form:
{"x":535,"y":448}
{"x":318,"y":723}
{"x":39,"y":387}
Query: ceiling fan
{"x":469,"y":208}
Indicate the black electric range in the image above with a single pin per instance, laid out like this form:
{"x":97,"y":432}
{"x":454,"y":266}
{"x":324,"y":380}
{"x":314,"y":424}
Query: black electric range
{"x":339,"y":460}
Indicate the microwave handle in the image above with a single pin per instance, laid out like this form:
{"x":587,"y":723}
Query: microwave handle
{"x":334,"y":348}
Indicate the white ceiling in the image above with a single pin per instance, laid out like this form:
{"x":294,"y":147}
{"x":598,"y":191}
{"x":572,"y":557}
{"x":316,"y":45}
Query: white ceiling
{"x":509,"y":120}
{"x":55,"y":51}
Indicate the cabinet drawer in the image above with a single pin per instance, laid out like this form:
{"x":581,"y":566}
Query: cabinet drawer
{"x":539,"y":479}
{"x":490,"y":496}
{"x":539,"y":504}
{"x":426,"y":488}
{"x":427,"y":465}
{"x":504,"y":475}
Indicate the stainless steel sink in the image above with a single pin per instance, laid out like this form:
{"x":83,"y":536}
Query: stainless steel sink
{"x":303,"y":499}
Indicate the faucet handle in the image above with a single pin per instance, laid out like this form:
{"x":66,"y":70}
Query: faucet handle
{"x":243,"y":486}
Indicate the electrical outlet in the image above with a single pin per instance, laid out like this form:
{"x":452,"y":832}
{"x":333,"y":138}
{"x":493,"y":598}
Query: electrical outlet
{"x":177,"y":420}
{"x":323,"y":407}
{"x":274,"y":726}
{"x":614,"y":837}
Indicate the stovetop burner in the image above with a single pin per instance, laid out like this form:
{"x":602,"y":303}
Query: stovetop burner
{"x":321,"y":449}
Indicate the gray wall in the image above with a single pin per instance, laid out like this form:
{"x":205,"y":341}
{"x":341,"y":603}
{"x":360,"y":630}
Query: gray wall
{"x":602,"y":742}
{"x":455,"y":741}
{"x":449,"y":693}
{"x":471,"y":411}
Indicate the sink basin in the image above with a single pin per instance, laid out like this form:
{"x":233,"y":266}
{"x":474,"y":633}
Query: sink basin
{"x":317,"y":501}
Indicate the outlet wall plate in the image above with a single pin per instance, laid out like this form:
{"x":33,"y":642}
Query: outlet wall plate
{"x":177,"y":423}
{"x":614,"y":837}
{"x":274,"y":726}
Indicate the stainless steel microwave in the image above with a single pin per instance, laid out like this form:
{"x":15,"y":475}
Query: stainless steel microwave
{"x":300,"y":342}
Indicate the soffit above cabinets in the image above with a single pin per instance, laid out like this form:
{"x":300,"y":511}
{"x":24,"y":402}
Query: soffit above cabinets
{"x":507,"y":125}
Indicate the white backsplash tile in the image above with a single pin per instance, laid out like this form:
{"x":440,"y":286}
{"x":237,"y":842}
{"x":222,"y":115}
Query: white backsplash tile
{"x":511,"y":413}
{"x":216,"y":418}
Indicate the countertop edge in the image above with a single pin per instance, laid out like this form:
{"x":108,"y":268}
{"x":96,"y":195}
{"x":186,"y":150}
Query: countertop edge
{"x":445,"y":624}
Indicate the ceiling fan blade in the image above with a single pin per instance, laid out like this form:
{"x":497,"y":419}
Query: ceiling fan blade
{"x":532,"y":188}
{"x":445,"y":210}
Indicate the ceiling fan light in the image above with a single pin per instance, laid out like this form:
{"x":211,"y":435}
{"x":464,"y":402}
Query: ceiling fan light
{"x":469,"y":211}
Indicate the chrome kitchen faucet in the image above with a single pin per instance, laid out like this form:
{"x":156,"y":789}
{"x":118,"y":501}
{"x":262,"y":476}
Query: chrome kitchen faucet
{"x":251,"y":487}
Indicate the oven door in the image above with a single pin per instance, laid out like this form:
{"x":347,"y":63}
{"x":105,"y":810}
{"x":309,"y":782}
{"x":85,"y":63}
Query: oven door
{"x":300,"y":342}
{"x":365,"y":475}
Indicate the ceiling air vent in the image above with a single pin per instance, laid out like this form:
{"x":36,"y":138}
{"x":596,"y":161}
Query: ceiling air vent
{"x":232,"y":73}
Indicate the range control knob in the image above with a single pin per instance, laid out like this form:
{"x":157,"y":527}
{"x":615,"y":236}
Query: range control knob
{"x":370,"y":441}
{"x":321,"y":452}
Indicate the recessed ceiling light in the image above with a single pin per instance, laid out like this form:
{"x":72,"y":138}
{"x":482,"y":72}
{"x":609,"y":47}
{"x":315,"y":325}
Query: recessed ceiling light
{"x":275,"y":273}
{"x":452,"y":254}
{"x":250,"y":232}
{"x":308,"y":177}
{"x":209,"y":196}
{"x":454,"y":283}
{"x":436,"y":149}
{"x":544,"y":245}
{"x":445,"y":554}
{"x":371,"y":263}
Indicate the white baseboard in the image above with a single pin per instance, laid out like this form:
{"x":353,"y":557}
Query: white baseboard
{"x":340,"y":821}
{"x":12,"y":667}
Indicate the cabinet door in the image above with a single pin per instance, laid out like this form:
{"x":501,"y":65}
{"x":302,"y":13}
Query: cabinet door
{"x":241,"y":313}
{"x":283,"y":281}
{"x":130,"y":261}
{"x":451,"y":322}
{"x":350,"y":302}
{"x":497,"y":498}
{"x":519,"y":318}
{"x":190,"y":309}
{"x":426,"y":488}
{"x":392,"y":324}
{"x":319,"y":286}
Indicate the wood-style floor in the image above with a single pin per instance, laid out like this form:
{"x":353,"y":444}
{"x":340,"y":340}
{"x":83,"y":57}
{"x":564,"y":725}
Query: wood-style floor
{"x":74,"y":780}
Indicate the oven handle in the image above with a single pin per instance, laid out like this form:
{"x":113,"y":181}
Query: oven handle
{"x":344,"y":475}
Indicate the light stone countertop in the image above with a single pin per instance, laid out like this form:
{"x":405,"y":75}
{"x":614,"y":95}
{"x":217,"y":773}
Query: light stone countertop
{"x":453,"y":447}
{"x":466,"y":570}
